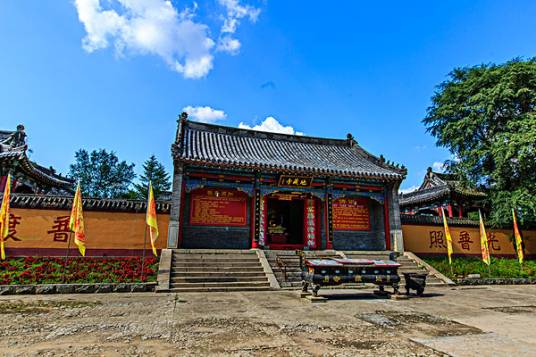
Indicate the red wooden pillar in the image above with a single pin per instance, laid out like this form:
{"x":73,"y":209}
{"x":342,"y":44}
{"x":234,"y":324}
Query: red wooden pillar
{"x":326,"y":222}
{"x":449,"y":209}
{"x":3,"y":180}
{"x":181,"y":211}
{"x":386,"y":223}
{"x":460,"y":211}
{"x":318,"y":218}
{"x":252,"y":218}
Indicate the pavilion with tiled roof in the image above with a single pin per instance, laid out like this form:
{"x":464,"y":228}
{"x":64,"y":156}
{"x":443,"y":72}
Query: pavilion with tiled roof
{"x":441,"y":190}
{"x":28,"y":176}
{"x":238,"y":188}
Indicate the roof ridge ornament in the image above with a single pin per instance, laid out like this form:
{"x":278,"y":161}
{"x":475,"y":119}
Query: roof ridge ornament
{"x":17,"y":140}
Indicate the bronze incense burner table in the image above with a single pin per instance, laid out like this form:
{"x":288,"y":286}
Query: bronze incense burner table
{"x":330,"y":272}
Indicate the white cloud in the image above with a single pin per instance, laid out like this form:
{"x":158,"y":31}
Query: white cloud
{"x":235,"y":12}
{"x":271,"y":124}
{"x":409,"y":189}
{"x":438,"y":166}
{"x":204,"y":114}
{"x":156,"y":27}
{"x":229,"y":45}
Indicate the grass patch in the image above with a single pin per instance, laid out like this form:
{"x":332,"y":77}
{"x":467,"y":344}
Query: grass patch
{"x":77,"y":270}
{"x":499,"y":268}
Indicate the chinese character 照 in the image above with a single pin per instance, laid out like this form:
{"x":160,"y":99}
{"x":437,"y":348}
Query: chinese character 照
{"x":436,"y":239}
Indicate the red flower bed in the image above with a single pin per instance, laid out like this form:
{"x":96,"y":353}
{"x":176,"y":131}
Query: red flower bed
{"x":79,"y":270}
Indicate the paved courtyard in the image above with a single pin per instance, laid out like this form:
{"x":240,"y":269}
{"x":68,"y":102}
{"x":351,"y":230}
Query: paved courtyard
{"x":472,"y":321}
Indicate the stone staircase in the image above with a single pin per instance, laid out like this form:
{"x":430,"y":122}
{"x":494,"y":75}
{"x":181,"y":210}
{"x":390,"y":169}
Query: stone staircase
{"x":285,"y":265}
{"x":216,"y":270}
{"x":409,"y":265}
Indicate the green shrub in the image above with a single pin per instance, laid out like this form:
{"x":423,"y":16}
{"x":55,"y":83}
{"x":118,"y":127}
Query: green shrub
{"x":499,"y":267}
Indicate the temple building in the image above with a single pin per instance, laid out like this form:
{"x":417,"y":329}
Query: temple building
{"x":28,"y":176}
{"x":441,"y":190}
{"x":239,"y":189}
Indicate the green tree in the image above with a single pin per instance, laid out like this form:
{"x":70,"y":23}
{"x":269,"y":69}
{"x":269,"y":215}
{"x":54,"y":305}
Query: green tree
{"x":152,"y":170}
{"x":485,"y":115}
{"x":101,"y":174}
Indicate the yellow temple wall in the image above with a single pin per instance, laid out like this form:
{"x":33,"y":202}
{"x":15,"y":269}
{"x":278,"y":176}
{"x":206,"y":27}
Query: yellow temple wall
{"x":430,"y":240}
{"x":43,"y":232}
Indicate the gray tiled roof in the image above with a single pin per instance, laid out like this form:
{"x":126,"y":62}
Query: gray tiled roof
{"x":4,"y":134}
{"x":89,"y":204}
{"x":438,"y":186}
{"x":16,"y":157}
{"x":231,"y":147}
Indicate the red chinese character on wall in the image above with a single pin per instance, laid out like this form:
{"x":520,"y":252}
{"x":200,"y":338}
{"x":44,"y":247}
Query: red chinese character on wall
{"x":465,"y":240}
{"x":436,"y":239}
{"x":60,"y":229}
{"x":493,"y":242}
{"x":14,"y":221}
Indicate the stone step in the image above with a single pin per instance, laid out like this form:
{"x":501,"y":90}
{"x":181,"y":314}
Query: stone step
{"x":411,"y":270}
{"x":218,"y":264}
{"x":216,"y":268}
{"x":219,"y":289}
{"x":223,"y":260}
{"x":221,"y":284}
{"x":186,"y":257}
{"x":217,"y":279}
{"x":218,"y":273}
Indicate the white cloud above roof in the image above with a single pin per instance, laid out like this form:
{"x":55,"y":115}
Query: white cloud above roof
{"x":438,"y":166}
{"x":271,"y":124}
{"x":157,"y":27}
{"x":409,"y":189}
{"x":204,"y":114}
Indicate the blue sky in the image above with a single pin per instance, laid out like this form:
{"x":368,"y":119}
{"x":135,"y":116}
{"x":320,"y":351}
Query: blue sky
{"x":80,"y":75}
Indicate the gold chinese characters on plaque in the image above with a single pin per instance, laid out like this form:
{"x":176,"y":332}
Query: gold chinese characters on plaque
{"x":294,"y":181}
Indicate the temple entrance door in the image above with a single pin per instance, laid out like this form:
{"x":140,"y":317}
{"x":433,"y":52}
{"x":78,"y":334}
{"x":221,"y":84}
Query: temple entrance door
{"x":285,"y":221}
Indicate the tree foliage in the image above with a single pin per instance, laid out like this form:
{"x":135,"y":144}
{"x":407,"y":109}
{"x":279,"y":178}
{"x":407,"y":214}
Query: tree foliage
{"x":154,"y":171}
{"x":485,"y":116}
{"x":101,"y":174}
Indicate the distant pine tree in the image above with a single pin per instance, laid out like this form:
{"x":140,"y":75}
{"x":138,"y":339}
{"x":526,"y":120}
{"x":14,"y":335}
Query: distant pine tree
{"x":155,"y":172}
{"x":101,"y":174}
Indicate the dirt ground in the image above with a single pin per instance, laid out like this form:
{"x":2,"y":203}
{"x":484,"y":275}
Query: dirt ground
{"x":446,"y":321}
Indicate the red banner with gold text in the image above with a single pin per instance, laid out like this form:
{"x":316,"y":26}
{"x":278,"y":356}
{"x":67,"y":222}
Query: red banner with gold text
{"x":351,"y":214}
{"x":218,"y":207}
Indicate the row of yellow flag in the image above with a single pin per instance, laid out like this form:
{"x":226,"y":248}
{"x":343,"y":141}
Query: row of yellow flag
{"x":76,"y":221}
{"x":484,"y":244}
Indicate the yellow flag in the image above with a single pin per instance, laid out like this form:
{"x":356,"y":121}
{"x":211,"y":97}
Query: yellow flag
{"x":4,"y":216}
{"x":76,"y":222}
{"x":447,"y":235}
{"x":150,"y":218}
{"x":519,"y":246}
{"x":484,"y":244}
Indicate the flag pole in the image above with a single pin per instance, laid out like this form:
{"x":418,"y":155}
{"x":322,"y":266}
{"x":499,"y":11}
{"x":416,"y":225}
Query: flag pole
{"x":69,"y":238}
{"x":143,"y":254}
{"x":145,"y":233}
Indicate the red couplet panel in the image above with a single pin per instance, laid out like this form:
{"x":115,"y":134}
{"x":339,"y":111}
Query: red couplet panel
{"x":218,"y":207}
{"x":351,"y":214}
